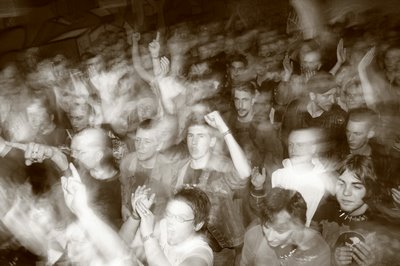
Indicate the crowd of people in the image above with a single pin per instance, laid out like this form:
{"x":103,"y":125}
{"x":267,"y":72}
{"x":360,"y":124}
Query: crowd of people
{"x":204,"y":143}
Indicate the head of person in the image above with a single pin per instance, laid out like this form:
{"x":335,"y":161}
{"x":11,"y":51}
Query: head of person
{"x":92,"y":148}
{"x":310,"y":57}
{"x":244,"y":97}
{"x":356,"y":184}
{"x":237,"y":68}
{"x":40,"y":113}
{"x":79,"y":116}
{"x":201,"y":138}
{"x":147,"y":106}
{"x":147,"y":140}
{"x":391,"y":58}
{"x":186,"y":214}
{"x":322,"y":90}
{"x":304,"y":144}
{"x":353,"y":94}
{"x":283,"y":215}
{"x":360,"y":128}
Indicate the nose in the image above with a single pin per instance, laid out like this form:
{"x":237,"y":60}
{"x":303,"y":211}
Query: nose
{"x":241,"y":104}
{"x":194,"y":141}
{"x":347,"y":191}
{"x":270,"y":235}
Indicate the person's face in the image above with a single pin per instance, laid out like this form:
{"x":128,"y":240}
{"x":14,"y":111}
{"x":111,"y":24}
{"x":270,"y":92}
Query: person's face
{"x":354,"y":97}
{"x":301,"y":145}
{"x":79,"y":118}
{"x":87,"y":156}
{"x":236,"y":70}
{"x":199,"y":141}
{"x":325,"y":100}
{"x":392,"y":59}
{"x":146,"y":109}
{"x":244,"y":102}
{"x":350,"y":192}
{"x":311,"y":62}
{"x":38,"y":117}
{"x":180,"y":222}
{"x":357,"y":133}
{"x":279,"y":231}
{"x":263,"y":103}
{"x":146,"y":144}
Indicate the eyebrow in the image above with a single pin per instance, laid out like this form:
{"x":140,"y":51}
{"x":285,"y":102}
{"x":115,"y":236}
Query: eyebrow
{"x":353,"y":183}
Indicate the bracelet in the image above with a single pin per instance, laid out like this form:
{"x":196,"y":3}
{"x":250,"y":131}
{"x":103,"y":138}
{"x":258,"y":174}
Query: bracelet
{"x":147,"y":237}
{"x":227,"y":132}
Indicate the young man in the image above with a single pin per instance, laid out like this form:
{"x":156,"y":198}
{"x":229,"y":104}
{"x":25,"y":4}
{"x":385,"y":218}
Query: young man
{"x":217,"y":175}
{"x":282,"y":237}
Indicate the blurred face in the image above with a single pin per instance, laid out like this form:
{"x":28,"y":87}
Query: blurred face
{"x":279,"y":231}
{"x":392,"y":60}
{"x":146,"y":144}
{"x":243,"y":103}
{"x":199,"y":141}
{"x":311,"y":62}
{"x":325,"y":100}
{"x":263,"y":103}
{"x":236,"y":70}
{"x":301,"y":145}
{"x":180,"y":222}
{"x":354,"y":97}
{"x":357,"y":134}
{"x":350,"y":192}
{"x":38,"y":117}
{"x":146,"y":109}
{"x":88,"y":156}
{"x":79,"y":118}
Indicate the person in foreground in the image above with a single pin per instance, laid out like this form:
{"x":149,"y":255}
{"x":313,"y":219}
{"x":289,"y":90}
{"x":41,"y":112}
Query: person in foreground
{"x":177,"y":239}
{"x":282,"y":237}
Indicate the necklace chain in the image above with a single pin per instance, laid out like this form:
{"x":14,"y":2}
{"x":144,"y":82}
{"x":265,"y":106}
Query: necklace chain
{"x":346,"y":216}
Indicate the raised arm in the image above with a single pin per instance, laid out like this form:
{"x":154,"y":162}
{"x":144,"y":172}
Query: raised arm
{"x":137,"y":62}
{"x":238,"y":157}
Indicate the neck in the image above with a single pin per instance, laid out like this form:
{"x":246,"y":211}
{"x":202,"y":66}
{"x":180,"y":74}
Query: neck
{"x":149,"y":163}
{"x":302,"y":165}
{"x":103,"y":172}
{"x":200,"y":163}
{"x":360,"y":211}
{"x":364,"y":150}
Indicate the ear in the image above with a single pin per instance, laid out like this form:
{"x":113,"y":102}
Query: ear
{"x":371,"y":133}
{"x":213,"y":141}
{"x":198,"y":226}
{"x":312,"y":96}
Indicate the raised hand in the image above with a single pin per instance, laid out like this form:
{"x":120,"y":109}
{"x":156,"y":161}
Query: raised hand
{"x":164,"y":66}
{"x":215,"y":120}
{"x":146,"y":219}
{"x":154,"y":46}
{"x":142,"y":195}
{"x":257,"y":178}
{"x":288,"y":66}
{"x":35,"y":153}
{"x":341,"y":52}
{"x":367,"y":59}
{"x":135,"y":37}
{"x":75,"y":194}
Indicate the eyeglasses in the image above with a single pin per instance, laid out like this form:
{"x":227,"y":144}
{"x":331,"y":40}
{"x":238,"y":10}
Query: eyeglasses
{"x":177,"y":218}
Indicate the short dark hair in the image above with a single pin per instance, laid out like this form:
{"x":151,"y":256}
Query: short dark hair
{"x":247,"y":87}
{"x":363,"y":114}
{"x":280,"y":199}
{"x":198,"y":201}
{"x":238,"y":58}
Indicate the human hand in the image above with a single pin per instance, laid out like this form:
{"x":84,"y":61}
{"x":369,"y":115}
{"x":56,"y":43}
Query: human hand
{"x":258,"y":179}
{"x":142,"y":195}
{"x":36,"y":153}
{"x":146,"y":219}
{"x":164,"y":66}
{"x":154,"y":46}
{"x":74,"y":191}
{"x":343,"y":255}
{"x":288,"y":66}
{"x":396,"y":196}
{"x":135,"y":37}
{"x":363,"y":255}
{"x":341,"y":52}
{"x":366,"y":60}
{"x":215,"y":120}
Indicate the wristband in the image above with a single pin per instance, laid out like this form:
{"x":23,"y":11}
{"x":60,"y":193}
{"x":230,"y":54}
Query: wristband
{"x":147,"y":237}
{"x":227,"y":132}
